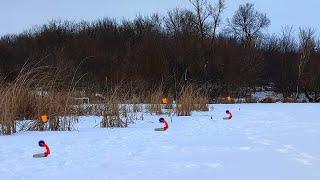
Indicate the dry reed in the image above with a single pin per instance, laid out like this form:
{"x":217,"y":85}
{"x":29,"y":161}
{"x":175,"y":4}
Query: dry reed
{"x":155,"y":106}
{"x":191,"y":99}
{"x":31,"y":95}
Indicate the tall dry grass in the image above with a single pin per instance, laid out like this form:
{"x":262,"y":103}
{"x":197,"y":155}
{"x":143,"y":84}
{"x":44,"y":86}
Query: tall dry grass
{"x":191,"y":99}
{"x":59,"y":107}
{"x":115,"y":110}
{"x":14,"y":100}
{"x":136,"y":104}
{"x":111,"y":115}
{"x":201,"y":101}
{"x":154,"y":105}
{"x":33,"y":94}
{"x":37,"y":91}
{"x":184,"y":104}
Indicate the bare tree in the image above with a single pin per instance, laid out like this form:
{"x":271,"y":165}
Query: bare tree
{"x":287,"y":40}
{"x":310,"y":79}
{"x":202,"y":15}
{"x":247,"y":24}
{"x":216,"y":12}
{"x":307,"y":47}
{"x":179,"y":21}
{"x":286,"y":63}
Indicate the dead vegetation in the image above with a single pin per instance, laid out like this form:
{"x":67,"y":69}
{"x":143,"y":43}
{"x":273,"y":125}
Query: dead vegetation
{"x":111,"y":115}
{"x":191,"y":99}
{"x":117,"y":111}
{"x":37,"y":92}
{"x":154,"y":105}
{"x":31,"y":95}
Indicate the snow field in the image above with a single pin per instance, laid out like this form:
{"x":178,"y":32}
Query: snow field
{"x":263,"y":141}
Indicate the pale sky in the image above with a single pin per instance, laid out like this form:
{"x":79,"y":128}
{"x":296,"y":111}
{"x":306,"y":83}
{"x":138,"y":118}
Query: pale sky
{"x":19,"y":15}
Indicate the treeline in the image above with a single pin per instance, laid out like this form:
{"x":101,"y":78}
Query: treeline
{"x":185,"y":46}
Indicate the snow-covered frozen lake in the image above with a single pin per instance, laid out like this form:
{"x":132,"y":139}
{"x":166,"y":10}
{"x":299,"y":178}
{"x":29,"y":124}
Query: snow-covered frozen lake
{"x":262,"y":142}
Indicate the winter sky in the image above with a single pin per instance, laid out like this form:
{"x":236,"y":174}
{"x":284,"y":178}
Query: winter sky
{"x":19,"y":15}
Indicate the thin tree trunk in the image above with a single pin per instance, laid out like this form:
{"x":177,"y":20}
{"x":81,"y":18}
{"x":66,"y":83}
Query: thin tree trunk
{"x":298,"y":82}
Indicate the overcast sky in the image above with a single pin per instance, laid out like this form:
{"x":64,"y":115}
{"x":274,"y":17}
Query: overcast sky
{"x":19,"y":15}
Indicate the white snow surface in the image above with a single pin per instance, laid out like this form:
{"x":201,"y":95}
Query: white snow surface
{"x":263,"y":141}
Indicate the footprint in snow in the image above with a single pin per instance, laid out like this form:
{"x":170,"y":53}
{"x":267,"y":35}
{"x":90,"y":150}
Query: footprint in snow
{"x":303,"y":161}
{"x":245,"y":148}
{"x":167,"y":147}
{"x":190,"y":165}
{"x":285,"y":149}
{"x":303,"y":158}
{"x":266,"y":142}
{"x":213,"y":165}
{"x":251,"y":138}
{"x":305,"y":155}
